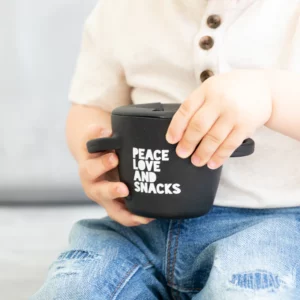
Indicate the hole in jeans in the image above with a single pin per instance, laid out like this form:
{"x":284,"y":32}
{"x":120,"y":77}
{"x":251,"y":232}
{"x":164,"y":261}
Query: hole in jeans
{"x":257,"y":280}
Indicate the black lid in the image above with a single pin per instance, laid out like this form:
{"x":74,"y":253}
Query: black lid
{"x":150,"y":110}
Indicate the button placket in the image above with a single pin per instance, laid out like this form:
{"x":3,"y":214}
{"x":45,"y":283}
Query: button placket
{"x":214,"y":21}
{"x":206,"y":74}
{"x":213,"y":25}
{"x":205,"y":59}
{"x":207,"y":43}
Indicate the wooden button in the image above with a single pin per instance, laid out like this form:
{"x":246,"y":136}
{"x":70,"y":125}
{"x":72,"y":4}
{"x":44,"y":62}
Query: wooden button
{"x":214,"y":21}
{"x":206,"y":74}
{"x":206,"y":42}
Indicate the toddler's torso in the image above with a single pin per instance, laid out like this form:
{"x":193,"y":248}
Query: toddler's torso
{"x":157,"y":43}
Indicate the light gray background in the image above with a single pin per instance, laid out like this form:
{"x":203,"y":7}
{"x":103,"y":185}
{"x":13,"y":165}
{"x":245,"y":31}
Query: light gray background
{"x":39,"y":44}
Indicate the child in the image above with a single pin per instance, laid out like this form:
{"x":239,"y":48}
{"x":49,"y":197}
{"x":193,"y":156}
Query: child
{"x":234,"y":65}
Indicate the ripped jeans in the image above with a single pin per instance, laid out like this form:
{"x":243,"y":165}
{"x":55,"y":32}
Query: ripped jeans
{"x":229,"y":254}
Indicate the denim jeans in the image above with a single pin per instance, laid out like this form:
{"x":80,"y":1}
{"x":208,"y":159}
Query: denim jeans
{"x":230,"y":253}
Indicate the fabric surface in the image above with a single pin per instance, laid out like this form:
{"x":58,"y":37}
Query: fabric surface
{"x":229,"y":254}
{"x":153,"y":51}
{"x":37,"y":60}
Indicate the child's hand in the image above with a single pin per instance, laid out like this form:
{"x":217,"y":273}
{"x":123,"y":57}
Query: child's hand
{"x":94,"y":170}
{"x":222,"y":113}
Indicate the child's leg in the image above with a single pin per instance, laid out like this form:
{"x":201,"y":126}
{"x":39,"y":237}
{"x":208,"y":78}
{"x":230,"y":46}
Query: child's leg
{"x":261,"y":262}
{"x":237,"y":254}
{"x":234,"y":254}
{"x":109,"y":261}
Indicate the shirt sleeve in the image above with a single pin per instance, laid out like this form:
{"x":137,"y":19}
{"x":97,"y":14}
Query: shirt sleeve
{"x":99,"y":79}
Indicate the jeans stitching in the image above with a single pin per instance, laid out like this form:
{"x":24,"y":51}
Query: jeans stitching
{"x":177,"y":295}
{"x":175,"y":254}
{"x":186,"y":290}
{"x":174,"y":294}
{"x":168,"y":271}
{"x":123,"y":280}
{"x":147,"y":266}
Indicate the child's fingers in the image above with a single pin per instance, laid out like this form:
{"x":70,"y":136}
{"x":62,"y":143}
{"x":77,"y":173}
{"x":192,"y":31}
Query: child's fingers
{"x":91,"y":169}
{"x":117,"y":211}
{"x":109,"y":195}
{"x":231,"y":143}
{"x":183,"y":116}
{"x":94,"y":131}
{"x":212,"y":141}
{"x":199,"y":125}
{"x":104,"y":191}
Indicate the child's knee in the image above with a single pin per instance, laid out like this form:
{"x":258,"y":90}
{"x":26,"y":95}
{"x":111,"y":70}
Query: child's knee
{"x":74,"y":275}
{"x":86,"y":275}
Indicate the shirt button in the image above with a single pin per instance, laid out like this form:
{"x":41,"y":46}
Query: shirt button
{"x":206,"y":74}
{"x":206,"y":42}
{"x":214,"y":21}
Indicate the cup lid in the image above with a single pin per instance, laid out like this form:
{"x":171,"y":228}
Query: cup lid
{"x":149,"y":110}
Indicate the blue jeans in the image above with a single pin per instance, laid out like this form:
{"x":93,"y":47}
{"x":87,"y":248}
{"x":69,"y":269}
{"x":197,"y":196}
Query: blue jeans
{"x":230,"y":253}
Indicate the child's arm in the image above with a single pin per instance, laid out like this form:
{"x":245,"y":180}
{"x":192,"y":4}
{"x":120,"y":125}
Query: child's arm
{"x":99,"y":85}
{"x":229,"y":108}
{"x":85,"y":123}
{"x":285,"y":117}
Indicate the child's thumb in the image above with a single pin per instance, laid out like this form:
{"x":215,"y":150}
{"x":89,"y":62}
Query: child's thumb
{"x":95,"y":131}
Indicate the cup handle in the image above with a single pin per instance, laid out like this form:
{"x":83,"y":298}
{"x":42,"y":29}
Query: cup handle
{"x":104,"y":144}
{"x":247,"y":148}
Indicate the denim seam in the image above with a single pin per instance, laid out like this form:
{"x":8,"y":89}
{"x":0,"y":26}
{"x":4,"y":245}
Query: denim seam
{"x":148,"y":266}
{"x":174,"y":294}
{"x":172,"y":270}
{"x":135,"y":242}
{"x":168,"y":250}
{"x":175,"y":252}
{"x":185,"y":290}
{"x":123,"y":282}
